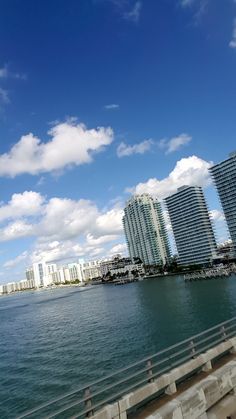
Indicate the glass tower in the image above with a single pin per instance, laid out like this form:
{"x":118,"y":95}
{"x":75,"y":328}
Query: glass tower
{"x":224,"y":176}
{"x":191,"y":224}
{"x":145,"y":230}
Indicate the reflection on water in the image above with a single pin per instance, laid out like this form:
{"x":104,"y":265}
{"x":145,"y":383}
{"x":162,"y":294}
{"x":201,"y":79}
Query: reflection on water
{"x":54,"y":341}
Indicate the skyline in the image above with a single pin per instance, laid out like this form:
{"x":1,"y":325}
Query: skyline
{"x":123,"y":97}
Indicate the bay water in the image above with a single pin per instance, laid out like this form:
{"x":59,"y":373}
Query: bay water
{"x":53,"y":341}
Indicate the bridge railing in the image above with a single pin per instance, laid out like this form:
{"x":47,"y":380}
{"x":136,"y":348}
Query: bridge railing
{"x":85,"y":401}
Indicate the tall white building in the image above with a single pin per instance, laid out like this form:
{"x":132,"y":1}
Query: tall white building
{"x":224,"y":175}
{"x":191,"y":224}
{"x":41,"y":273}
{"x":145,"y":230}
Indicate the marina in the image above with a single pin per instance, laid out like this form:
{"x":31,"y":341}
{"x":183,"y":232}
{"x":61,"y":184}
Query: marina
{"x":207,"y":274}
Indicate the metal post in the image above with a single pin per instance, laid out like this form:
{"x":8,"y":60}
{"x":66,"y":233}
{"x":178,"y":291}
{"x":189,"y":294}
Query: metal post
{"x":192,"y":347}
{"x":88,"y":402}
{"x":149,"y":371}
{"x":224,"y":335}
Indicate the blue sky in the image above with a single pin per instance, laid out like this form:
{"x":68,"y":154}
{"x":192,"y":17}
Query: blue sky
{"x":100,"y":99}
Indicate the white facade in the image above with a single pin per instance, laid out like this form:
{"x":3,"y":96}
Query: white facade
{"x":224,"y":176}
{"x":91,"y":270}
{"x":61,"y":275}
{"x":145,"y":230}
{"x":128,"y":269}
{"x":17,"y":286}
{"x":191,"y":224}
{"x":41,"y":273}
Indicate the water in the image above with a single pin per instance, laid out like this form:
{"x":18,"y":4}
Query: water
{"x":55,"y":341}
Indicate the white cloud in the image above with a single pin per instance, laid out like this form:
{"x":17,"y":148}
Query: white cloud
{"x":65,"y":219}
{"x":167,"y":221}
{"x":217,"y":215}
{"x":71,"y":144}
{"x":16,"y":230}
{"x":63,"y":228}
{"x":3,"y":72}
{"x":232,"y":43}
{"x":110,"y":222}
{"x":55,"y":250}
{"x":93,"y":241}
{"x":112,"y":106}
{"x":134,"y":14}
{"x":14,"y":262}
{"x":199,"y":7}
{"x":60,"y":221}
{"x":25,"y":204}
{"x":174,"y":143}
{"x":4,"y":97}
{"x":186,"y":3}
{"x":120,"y":248}
{"x":127,"y":150}
{"x":188,"y":171}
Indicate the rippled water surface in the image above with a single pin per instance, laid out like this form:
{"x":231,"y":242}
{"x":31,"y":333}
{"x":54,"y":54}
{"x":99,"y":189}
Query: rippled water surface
{"x":54,"y":341}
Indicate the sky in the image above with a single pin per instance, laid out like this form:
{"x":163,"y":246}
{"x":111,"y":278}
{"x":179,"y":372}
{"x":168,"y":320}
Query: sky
{"x":100,"y":99}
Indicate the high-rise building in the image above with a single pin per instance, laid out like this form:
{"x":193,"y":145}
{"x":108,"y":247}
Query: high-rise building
{"x":145,"y":230}
{"x":224,"y":175}
{"x":191,"y":224}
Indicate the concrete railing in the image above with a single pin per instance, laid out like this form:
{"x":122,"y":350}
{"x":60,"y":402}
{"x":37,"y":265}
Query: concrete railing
{"x":113,"y":396}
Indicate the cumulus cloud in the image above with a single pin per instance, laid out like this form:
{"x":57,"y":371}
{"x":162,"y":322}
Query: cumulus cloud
{"x":62,"y":228}
{"x":199,"y":7}
{"x":16,"y":230}
{"x":3,"y":72}
{"x":112,"y":106}
{"x":14,"y":262}
{"x":97,"y":241}
{"x":59,"y":219}
{"x":71,"y":144}
{"x":110,"y":222}
{"x":22,"y":204}
{"x":134,"y":14}
{"x":124,"y":150}
{"x":188,"y":171}
{"x":6,"y":73}
{"x":186,"y":3}
{"x":173,"y":144}
{"x":4,"y":97}
{"x":55,"y":251}
{"x":66,"y":219}
{"x":120,"y":248}
{"x":232,"y":43}
{"x":217,"y":215}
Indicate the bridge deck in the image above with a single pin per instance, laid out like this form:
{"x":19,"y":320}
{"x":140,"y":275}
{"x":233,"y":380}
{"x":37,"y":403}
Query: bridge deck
{"x":225,"y":408}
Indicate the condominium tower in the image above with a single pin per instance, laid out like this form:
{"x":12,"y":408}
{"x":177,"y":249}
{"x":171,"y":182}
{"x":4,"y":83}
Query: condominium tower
{"x":145,"y":230}
{"x":191,"y":226}
{"x":224,"y":175}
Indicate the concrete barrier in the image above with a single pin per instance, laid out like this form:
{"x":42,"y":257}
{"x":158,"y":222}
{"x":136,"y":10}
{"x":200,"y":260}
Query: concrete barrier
{"x":191,"y":404}
{"x":198,"y":399}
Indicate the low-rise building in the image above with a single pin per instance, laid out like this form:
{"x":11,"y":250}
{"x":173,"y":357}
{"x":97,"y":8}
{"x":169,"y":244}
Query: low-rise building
{"x":91,"y":270}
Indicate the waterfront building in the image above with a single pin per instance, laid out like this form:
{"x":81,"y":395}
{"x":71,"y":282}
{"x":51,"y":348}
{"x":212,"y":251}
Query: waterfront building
{"x":61,"y":275}
{"x":145,"y":230}
{"x":41,"y":273}
{"x":191,"y":224}
{"x":76,"y":272}
{"x":10,"y":287}
{"x":120,"y":265}
{"x":224,"y":176}
{"x":91,"y":270}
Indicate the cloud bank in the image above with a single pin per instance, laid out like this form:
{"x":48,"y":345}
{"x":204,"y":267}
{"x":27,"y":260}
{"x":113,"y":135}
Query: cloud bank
{"x":188,"y":171}
{"x":71,"y":144}
{"x":124,"y":150}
